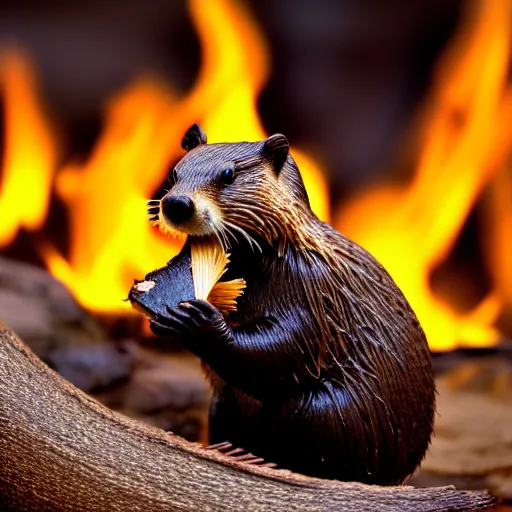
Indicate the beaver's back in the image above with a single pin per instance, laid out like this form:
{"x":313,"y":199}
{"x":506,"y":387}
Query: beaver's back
{"x":364,"y":353}
{"x":376,"y":350}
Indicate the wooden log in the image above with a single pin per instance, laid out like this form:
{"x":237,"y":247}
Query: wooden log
{"x":61,"y":450}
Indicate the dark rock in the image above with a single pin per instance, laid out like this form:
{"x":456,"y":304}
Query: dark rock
{"x":41,"y":310}
{"x":95,"y":365}
{"x":166,"y":391}
{"x":163,"y":381}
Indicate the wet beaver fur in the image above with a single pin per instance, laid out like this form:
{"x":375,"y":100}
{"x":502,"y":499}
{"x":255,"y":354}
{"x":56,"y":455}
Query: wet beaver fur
{"x":324,"y":369}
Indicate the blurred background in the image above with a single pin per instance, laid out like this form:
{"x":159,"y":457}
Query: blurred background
{"x":399,"y":115}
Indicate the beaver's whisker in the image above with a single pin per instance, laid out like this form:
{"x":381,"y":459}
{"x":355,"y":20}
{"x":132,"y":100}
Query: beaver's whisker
{"x":244,"y":233}
{"x":252,"y":207}
{"x":220,"y":234}
{"x":229,"y":234}
{"x":244,"y":223}
{"x":249,"y":213}
{"x":221,"y":237}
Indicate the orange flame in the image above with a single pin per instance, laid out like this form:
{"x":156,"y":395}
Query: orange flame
{"x":30,"y":151}
{"x":411,"y":228}
{"x":235,"y":60}
{"x":111,"y":240}
{"x":498,"y":241}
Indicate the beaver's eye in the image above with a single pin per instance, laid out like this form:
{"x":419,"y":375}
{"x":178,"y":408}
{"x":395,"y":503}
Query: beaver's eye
{"x":173,"y":178}
{"x":227,"y":176}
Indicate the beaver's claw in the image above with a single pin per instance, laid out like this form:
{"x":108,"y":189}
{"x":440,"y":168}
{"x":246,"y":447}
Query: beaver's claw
{"x":192,"y":320}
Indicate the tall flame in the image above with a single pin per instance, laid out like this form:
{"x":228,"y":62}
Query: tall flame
{"x":411,"y":228}
{"x":111,"y":241}
{"x":236,"y":60}
{"x":29,"y":154}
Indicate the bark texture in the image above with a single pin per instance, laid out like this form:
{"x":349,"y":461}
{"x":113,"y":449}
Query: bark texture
{"x":62,"y":451}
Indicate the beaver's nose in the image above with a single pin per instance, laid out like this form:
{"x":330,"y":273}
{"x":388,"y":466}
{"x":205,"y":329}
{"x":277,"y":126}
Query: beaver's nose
{"x":177,"y":209}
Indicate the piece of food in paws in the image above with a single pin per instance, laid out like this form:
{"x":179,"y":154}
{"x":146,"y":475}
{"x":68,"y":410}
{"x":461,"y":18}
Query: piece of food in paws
{"x":164,"y":287}
{"x":193,"y":273}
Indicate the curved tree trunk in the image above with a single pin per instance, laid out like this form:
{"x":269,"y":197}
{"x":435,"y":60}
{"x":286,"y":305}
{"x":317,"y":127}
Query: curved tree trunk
{"x":62,"y":451}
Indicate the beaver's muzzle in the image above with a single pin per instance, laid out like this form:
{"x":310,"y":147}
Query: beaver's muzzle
{"x":177,"y":209}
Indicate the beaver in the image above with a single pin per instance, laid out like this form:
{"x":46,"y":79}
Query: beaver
{"x":324,"y":368}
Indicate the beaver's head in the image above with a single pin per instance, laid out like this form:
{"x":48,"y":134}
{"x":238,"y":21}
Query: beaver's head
{"x":238,"y":191}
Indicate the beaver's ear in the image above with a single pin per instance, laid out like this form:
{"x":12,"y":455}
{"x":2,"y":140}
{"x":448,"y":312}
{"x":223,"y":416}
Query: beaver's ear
{"x":194,"y":137}
{"x":276,"y":149}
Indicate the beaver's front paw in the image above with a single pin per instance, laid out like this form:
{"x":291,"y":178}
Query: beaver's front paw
{"x":192,"y":321}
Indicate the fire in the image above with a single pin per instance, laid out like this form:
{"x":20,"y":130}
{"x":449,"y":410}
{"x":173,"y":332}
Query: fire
{"x":29,"y":155}
{"x":410,"y":227}
{"x":111,"y":240}
{"x":236,"y":60}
